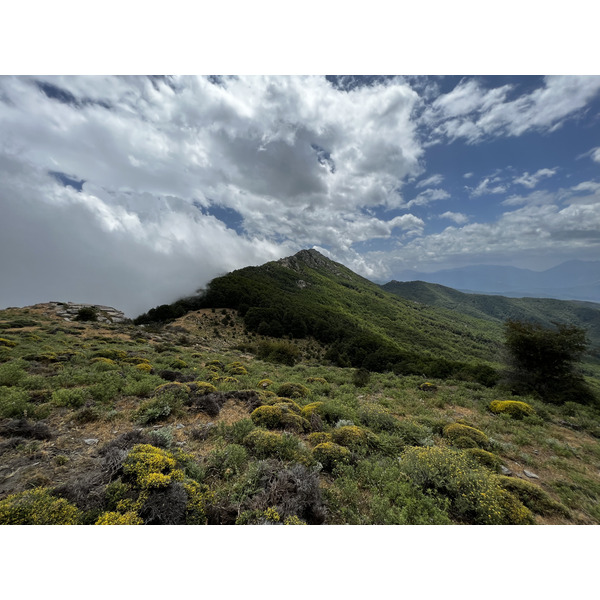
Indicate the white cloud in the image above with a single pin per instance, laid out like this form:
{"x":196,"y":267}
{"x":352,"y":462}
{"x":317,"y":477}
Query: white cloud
{"x":428,"y":196}
{"x":458,"y":218}
{"x":473,"y":113}
{"x":596,"y":155}
{"x":530,"y":181}
{"x":433,"y":180}
{"x":486,"y":186}
{"x":468,"y":175}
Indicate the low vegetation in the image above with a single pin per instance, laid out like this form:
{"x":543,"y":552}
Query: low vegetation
{"x":188,"y":423}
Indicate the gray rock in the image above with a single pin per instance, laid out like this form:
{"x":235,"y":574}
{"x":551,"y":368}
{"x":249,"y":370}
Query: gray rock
{"x":91,"y":441}
{"x":530,"y":474}
{"x":505,"y":470}
{"x":180,"y":426}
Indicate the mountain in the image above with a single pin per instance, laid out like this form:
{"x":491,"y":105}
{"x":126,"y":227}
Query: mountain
{"x":572,"y":280}
{"x":361,"y":324}
{"x":498,"y":309}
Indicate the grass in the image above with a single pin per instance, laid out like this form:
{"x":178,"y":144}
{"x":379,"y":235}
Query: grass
{"x":52,"y":376}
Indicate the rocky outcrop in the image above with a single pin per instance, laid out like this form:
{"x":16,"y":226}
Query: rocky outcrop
{"x":106,"y":314}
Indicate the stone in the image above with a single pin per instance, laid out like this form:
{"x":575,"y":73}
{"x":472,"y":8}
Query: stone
{"x":530,"y":474}
{"x":505,"y":470}
{"x":91,"y":441}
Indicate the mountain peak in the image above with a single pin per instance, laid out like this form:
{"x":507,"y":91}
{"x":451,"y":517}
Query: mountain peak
{"x":310,"y":258}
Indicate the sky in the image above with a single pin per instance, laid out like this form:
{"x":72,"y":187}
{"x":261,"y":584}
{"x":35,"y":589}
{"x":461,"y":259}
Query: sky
{"x":133,"y":191}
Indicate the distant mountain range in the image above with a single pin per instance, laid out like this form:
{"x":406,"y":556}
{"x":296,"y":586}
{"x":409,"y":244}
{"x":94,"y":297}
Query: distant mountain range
{"x":572,"y":280}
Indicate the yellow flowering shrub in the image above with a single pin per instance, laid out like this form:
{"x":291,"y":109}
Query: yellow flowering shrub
{"x":428,"y":387}
{"x":37,"y":507}
{"x":198,"y":498}
{"x":309,"y":409}
{"x":475,"y":494}
{"x":317,"y":380}
{"x":514,"y":408}
{"x":533,"y":496}
{"x":148,"y":466}
{"x":7,"y":343}
{"x":319,"y":437}
{"x":203,"y":387}
{"x":116,"y":518}
{"x":236,"y":368}
{"x":178,"y":364}
{"x":284,"y":403}
{"x":144,"y":367}
{"x":330,"y":455}
{"x":464,"y":436}
{"x":103,"y":360}
{"x":485,"y":458}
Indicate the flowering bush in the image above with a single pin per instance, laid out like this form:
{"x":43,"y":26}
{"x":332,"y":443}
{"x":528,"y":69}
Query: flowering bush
{"x":37,"y":507}
{"x":330,"y":455}
{"x":464,"y":436}
{"x":514,"y":408}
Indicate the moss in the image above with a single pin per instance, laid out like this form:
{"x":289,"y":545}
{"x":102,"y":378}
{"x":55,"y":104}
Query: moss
{"x":37,"y":507}
{"x":514,"y":408}
{"x":293,"y":390}
{"x":331,"y":455}
{"x":116,"y":518}
{"x":464,"y":436}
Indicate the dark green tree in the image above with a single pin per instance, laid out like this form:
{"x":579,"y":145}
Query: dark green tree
{"x":543,"y":361}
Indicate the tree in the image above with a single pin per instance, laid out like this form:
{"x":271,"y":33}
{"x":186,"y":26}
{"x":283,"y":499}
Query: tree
{"x":543,"y":361}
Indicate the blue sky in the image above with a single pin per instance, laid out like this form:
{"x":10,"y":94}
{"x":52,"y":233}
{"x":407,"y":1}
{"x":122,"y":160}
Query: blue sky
{"x":132,"y":191}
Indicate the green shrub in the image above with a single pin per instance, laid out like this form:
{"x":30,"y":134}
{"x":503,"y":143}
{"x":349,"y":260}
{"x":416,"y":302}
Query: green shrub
{"x":7,"y":343}
{"x":37,"y":507}
{"x":533,"y":496}
{"x":157,"y":409}
{"x":377,"y":418}
{"x":227,"y":462}
{"x":464,"y":436}
{"x":264,"y":383}
{"x":72,"y":398}
{"x":236,"y":432}
{"x":485,"y":458}
{"x":178,"y":364}
{"x":413,"y":433}
{"x":514,"y":408}
{"x":266,"y":444}
{"x":361,"y":378}
{"x":331,"y":455}
{"x":475,"y":494}
{"x":11,"y":373}
{"x":267,"y":416}
{"x":284,"y":353}
{"x":13,"y":402}
{"x":309,"y":409}
{"x":353,"y":437}
{"x":319,"y":437}
{"x":293,"y":390}
{"x":202,"y":388}
{"x":87,"y":313}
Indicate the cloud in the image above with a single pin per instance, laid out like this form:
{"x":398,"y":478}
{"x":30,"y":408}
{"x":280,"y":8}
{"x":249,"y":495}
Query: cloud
{"x":428,"y":196}
{"x":530,"y":181}
{"x":296,"y":159}
{"x":486,"y":186}
{"x":561,"y":226}
{"x":468,"y":175}
{"x":433,"y":180}
{"x":458,"y":218}
{"x":473,"y":113}
{"x":596,"y":155}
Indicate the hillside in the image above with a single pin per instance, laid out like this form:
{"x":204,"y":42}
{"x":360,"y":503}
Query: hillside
{"x":239,"y":406}
{"x":572,"y":280}
{"x":183,"y":424}
{"x":308,"y":295}
{"x":498,"y":309}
